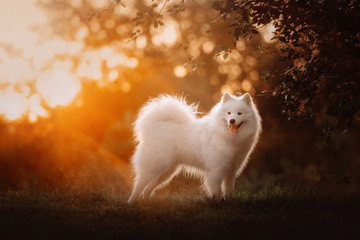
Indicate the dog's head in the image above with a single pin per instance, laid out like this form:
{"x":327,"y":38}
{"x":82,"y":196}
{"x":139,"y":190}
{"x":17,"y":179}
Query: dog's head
{"x":236,"y":111}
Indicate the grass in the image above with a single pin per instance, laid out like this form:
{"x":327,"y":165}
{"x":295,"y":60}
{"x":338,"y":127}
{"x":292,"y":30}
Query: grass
{"x":275,"y":212}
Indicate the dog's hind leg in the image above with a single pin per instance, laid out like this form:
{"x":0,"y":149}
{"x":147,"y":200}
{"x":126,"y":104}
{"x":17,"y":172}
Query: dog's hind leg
{"x":141,"y":182}
{"x":164,"y":177}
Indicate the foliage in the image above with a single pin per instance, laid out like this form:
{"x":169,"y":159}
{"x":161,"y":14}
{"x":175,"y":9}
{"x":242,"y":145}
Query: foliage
{"x":319,"y":40}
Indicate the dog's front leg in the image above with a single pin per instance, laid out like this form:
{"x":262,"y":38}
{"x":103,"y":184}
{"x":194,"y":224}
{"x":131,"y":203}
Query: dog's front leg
{"x":213,"y":183}
{"x":228,"y":185}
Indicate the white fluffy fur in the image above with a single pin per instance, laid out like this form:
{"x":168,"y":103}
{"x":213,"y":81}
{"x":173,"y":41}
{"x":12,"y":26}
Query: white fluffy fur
{"x":171,"y":136}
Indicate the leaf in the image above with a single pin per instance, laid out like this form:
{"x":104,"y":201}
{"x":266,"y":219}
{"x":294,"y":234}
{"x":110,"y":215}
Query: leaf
{"x":282,"y":39}
{"x":282,"y":58}
{"x":225,"y":56}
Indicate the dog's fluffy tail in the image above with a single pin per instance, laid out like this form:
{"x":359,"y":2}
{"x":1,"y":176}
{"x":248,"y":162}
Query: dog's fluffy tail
{"x":164,"y":108}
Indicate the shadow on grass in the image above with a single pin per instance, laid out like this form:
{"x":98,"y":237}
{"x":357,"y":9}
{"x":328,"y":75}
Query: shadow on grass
{"x":281,"y":212}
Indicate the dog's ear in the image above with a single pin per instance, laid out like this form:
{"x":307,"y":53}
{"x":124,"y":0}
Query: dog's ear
{"x":247,"y":98}
{"x":226,"y":97}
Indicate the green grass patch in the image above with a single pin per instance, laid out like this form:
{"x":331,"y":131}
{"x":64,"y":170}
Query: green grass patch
{"x":281,"y":212}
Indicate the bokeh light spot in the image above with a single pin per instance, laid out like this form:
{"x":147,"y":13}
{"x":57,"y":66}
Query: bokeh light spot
{"x":132,"y":62}
{"x":13,"y":105}
{"x":125,"y":87}
{"x":58,"y":87}
{"x":246,"y":85}
{"x":267,"y":32}
{"x":36,"y":110}
{"x":113,"y":75}
{"x":141,"y":42}
{"x":208,"y":47}
{"x":180,"y":71}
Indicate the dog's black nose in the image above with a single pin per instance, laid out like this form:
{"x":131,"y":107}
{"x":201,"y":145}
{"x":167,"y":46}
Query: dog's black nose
{"x":232,"y":121}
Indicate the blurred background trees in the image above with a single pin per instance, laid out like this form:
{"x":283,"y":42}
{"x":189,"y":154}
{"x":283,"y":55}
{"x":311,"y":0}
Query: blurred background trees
{"x":70,"y":93}
{"x":320,"y":40}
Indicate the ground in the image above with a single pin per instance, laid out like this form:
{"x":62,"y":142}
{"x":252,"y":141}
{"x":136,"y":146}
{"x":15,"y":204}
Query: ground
{"x":275,"y":212}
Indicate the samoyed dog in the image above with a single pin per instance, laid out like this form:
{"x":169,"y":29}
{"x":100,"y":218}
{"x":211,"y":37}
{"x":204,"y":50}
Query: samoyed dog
{"x":171,"y":137}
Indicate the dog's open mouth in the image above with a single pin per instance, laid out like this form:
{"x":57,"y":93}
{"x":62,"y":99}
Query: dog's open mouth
{"x":234,"y":128}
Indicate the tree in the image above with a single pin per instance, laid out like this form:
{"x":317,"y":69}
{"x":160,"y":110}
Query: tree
{"x":319,"y":40}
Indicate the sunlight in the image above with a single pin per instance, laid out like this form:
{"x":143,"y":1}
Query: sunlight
{"x":166,"y":35}
{"x":18,"y":106}
{"x":15,"y":70}
{"x":113,"y":75}
{"x":58,"y":87}
{"x":226,"y":88}
{"x":36,"y":110}
{"x":141,"y":42}
{"x":132,"y":62}
{"x":10,"y":22}
{"x":267,"y":32}
{"x":98,"y":3}
{"x":180,"y":71}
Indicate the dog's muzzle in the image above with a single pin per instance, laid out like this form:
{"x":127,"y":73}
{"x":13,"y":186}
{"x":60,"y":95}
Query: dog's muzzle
{"x":234,"y":128}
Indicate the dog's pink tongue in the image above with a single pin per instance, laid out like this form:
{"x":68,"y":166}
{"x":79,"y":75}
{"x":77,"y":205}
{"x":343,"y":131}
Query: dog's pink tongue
{"x":232,"y":130}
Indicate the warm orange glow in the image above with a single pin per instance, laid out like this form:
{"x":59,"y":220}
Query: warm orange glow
{"x":223,"y":69}
{"x":49,"y":70}
{"x":226,"y":88}
{"x":125,"y":87}
{"x":254,"y":75}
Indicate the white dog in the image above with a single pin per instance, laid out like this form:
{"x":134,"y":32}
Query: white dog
{"x":171,"y":137}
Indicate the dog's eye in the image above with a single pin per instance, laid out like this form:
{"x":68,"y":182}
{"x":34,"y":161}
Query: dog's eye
{"x":229,"y":113}
{"x":239,"y":113}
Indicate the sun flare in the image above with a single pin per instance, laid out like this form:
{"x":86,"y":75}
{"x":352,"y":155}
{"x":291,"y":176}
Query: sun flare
{"x":58,"y":87}
{"x":42,"y":71}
